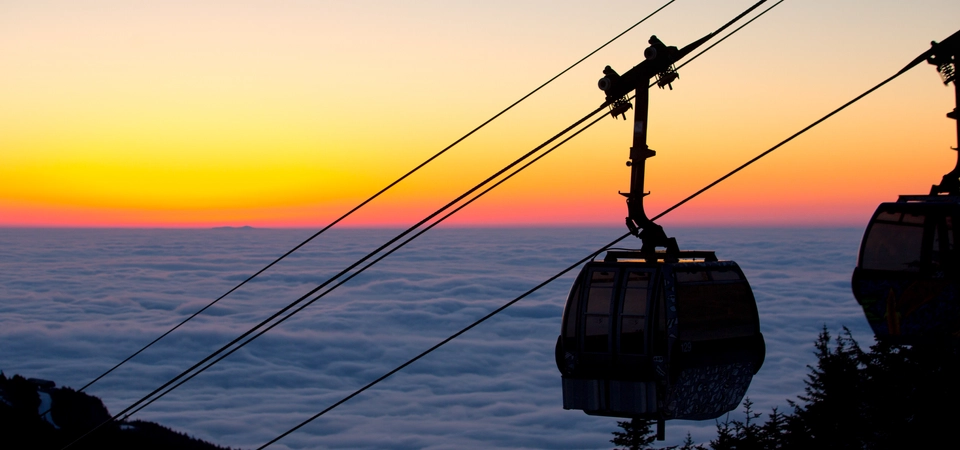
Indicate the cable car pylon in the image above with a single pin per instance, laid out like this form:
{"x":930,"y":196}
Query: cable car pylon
{"x":656,"y":334}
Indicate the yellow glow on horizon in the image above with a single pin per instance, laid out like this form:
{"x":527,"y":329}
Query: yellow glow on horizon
{"x":289,"y":115}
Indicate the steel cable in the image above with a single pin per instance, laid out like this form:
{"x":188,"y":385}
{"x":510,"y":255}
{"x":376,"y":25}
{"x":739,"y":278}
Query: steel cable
{"x":341,"y":273}
{"x":362,"y":269}
{"x":210,"y":364}
{"x":128,"y":412}
{"x":581,"y":261}
{"x":371,"y":198}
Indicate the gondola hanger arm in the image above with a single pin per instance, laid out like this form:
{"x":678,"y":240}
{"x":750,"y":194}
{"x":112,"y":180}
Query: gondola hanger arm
{"x":944,"y":56}
{"x":659,"y":63}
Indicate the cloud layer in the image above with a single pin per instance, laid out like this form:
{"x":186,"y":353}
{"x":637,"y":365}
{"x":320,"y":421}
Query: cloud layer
{"x":75,"y":302}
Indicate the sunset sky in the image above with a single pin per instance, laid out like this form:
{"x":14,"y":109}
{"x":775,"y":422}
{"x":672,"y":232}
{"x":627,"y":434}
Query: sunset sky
{"x":289,"y":113}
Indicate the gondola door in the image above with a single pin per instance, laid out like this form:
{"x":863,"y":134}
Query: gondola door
{"x":598,"y":308}
{"x":603,"y":352}
{"x":633,"y":327}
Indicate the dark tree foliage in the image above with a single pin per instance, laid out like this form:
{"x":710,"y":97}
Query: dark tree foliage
{"x":688,"y":444}
{"x":636,"y":435}
{"x":734,"y":434}
{"x":773,"y":433}
{"x":70,"y":416}
{"x":76,"y":412}
{"x":892,"y":396}
{"x":832,"y":409}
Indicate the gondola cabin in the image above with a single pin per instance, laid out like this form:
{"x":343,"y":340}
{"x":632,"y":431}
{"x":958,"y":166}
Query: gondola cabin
{"x":658,"y":337}
{"x":908,"y":270}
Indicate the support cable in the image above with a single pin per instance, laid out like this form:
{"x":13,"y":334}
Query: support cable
{"x":612,"y":243}
{"x":290,"y":314}
{"x":793,"y":136}
{"x":344,"y":271}
{"x":374,"y":196}
{"x":725,"y":37}
{"x":391,"y":251}
{"x":443,"y":342}
{"x":362,"y":269}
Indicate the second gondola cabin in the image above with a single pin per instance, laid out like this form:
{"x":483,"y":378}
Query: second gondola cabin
{"x":908,"y":272}
{"x":907,"y":277}
{"x":659,"y":337}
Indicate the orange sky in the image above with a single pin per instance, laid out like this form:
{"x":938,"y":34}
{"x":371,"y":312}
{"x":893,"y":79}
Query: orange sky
{"x":290,"y":113}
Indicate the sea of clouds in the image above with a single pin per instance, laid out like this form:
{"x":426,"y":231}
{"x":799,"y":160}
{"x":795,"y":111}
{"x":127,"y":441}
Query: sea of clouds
{"x":74,"y":302}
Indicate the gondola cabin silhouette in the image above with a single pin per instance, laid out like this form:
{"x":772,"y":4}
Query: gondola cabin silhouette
{"x":908,"y":272}
{"x":659,"y":337}
{"x":656,"y":334}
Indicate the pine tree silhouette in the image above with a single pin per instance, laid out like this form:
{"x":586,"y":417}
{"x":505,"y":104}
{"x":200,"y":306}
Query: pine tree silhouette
{"x":893,"y":396}
{"x":636,"y":435}
{"x":688,"y":444}
{"x":773,"y":433}
{"x":833,"y":409}
{"x":734,"y":434}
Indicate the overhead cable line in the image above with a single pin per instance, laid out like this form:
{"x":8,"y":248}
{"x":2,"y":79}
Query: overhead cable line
{"x":362,"y":269}
{"x":290,"y":314}
{"x":906,"y":68}
{"x":127,"y":410}
{"x":581,"y":261}
{"x":690,"y":59}
{"x":395,"y":248}
{"x":342,"y":272}
{"x":443,"y":342}
{"x":374,"y":196}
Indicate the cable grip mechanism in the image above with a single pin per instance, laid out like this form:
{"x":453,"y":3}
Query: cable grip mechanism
{"x":667,"y":77}
{"x":946,"y":65}
{"x":620,"y":108}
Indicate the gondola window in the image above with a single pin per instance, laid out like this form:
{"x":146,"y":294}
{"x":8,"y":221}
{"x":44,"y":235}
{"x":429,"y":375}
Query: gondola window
{"x":634,"y":314}
{"x":597,"y":319}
